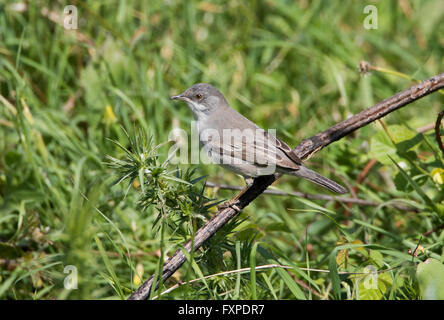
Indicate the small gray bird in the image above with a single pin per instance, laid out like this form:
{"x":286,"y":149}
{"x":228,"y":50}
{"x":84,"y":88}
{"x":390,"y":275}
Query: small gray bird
{"x":238,"y":144}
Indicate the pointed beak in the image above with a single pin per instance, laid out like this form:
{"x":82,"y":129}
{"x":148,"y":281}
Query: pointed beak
{"x":176,"y":97}
{"x":179,"y":97}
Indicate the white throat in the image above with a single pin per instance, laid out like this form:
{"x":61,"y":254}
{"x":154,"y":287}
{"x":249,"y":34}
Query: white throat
{"x":198,"y":110}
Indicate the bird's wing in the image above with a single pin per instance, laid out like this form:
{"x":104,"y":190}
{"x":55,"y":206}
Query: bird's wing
{"x":256,"y":147}
{"x":282,"y":146}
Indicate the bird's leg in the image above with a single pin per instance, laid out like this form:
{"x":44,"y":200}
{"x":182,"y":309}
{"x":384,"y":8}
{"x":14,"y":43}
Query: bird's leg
{"x":232,"y":203}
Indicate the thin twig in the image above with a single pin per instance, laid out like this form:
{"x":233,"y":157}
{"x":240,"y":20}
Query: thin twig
{"x":309,"y":196}
{"x":437,"y":131}
{"x":427,"y":233}
{"x":307,"y":287}
{"x":426,"y":128}
{"x":361,"y":177}
{"x":306,"y":149}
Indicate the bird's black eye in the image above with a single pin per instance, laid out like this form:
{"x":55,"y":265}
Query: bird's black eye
{"x":198,"y":96}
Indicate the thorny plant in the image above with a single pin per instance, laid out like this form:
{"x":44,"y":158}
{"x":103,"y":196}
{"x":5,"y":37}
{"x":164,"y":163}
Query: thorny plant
{"x":173,"y":194}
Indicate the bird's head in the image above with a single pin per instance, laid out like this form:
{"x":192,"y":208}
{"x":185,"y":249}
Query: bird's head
{"x":203,"y":99}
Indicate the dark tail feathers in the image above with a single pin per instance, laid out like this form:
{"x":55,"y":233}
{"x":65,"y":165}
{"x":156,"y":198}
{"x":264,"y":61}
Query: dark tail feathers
{"x":308,"y":174}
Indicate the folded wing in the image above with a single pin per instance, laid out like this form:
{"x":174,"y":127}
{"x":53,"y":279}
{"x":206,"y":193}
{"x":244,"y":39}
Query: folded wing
{"x":257,"y":147}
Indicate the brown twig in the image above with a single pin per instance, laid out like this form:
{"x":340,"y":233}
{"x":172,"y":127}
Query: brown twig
{"x":361,"y":177}
{"x":425,"y":128}
{"x":427,"y":233}
{"x":306,"y":149}
{"x":437,"y":131}
{"x":310,"y":196}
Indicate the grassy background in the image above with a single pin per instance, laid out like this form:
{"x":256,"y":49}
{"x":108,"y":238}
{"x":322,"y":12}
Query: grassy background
{"x":289,"y":65}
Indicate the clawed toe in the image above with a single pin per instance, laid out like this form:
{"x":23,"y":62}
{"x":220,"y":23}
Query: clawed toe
{"x":230,"y":204}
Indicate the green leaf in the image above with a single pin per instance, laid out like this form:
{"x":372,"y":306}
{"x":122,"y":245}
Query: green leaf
{"x":114,"y":280}
{"x":253,"y":271}
{"x":376,"y":257}
{"x":332,"y":266}
{"x":430,"y":275}
{"x":239,"y":266}
{"x":292,"y":285}
{"x":8,"y":282}
{"x":374,"y":285}
{"x":172,"y":178}
{"x":381,"y":147}
{"x":341,"y":258}
{"x":401,"y":183}
{"x":421,"y":193}
{"x":400,"y":133}
{"x":334,"y":274}
{"x":270,"y":286}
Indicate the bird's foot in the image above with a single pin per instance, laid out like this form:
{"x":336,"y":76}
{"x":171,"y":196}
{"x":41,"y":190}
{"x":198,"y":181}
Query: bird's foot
{"x":230,"y":204}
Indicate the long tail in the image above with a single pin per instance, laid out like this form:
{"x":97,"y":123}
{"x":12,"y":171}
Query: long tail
{"x":308,"y":174}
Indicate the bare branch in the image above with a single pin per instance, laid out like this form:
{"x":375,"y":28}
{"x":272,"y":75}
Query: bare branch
{"x":437,"y":131}
{"x":326,"y":197}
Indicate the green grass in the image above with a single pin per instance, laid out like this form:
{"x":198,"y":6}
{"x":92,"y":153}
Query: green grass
{"x":291,"y":65}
